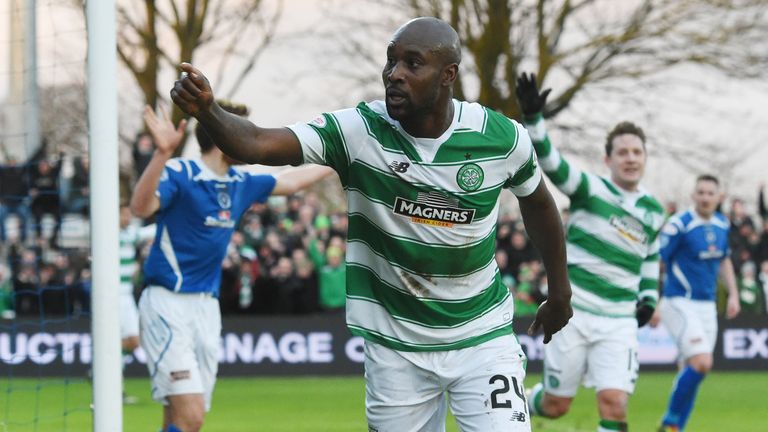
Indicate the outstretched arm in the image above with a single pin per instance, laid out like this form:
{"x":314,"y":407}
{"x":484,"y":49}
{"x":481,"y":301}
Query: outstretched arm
{"x":293,"y":180}
{"x":144,"y":202}
{"x":235,"y":136}
{"x":566,"y":177}
{"x":544,"y":227}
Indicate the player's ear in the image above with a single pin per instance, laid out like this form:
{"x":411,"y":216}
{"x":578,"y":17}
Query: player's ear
{"x":450,"y":73}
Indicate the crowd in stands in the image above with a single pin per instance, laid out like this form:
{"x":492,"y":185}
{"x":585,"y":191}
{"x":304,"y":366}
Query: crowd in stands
{"x":287,"y":256}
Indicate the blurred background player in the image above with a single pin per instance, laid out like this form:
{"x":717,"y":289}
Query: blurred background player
{"x":423,"y":288}
{"x":198,"y":204}
{"x":613,"y":265}
{"x":130,"y":236}
{"x":694,"y":247}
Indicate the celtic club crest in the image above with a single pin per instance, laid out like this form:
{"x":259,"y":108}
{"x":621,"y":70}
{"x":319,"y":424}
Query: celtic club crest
{"x":470,"y":177}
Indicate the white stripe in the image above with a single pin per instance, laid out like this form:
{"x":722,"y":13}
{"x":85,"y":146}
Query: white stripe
{"x":167,"y":248}
{"x":528,"y":186}
{"x":649,"y":270}
{"x":434,"y":288}
{"x":597,"y":304}
{"x":602,"y":229}
{"x":573,"y":180}
{"x":311,"y":144}
{"x":368,"y":315}
{"x":401,"y":226}
{"x":538,"y":130}
{"x":551,"y":161}
{"x":596,"y":265}
{"x":678,"y":272}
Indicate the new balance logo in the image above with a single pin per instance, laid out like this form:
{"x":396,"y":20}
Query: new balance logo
{"x":399,"y":167}
{"x":518,"y":416}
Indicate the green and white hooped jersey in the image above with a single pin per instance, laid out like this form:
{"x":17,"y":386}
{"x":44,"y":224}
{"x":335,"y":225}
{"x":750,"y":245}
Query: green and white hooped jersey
{"x":612,"y":235}
{"x":130,"y":236}
{"x":421,"y":274}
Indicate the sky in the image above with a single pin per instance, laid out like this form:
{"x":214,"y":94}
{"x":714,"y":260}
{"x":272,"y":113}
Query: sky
{"x":294,"y":81}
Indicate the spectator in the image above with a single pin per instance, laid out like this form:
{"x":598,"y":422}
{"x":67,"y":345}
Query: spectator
{"x":6,"y":294}
{"x":44,"y":190}
{"x":527,"y":290}
{"x":520,"y":251}
{"x":750,"y":293}
{"x":333,"y":277}
{"x":143,"y":148}
{"x":13,"y":197}
{"x":306,"y":298}
{"x":763,"y":277}
{"x":79,"y":196}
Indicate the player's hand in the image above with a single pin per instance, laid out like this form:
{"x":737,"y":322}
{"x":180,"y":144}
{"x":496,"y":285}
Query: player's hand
{"x":655,"y":319}
{"x":733,"y":307}
{"x":644,"y":312}
{"x":167,"y":138}
{"x":192,"y":91}
{"x":528,"y":96}
{"x":552,"y":316}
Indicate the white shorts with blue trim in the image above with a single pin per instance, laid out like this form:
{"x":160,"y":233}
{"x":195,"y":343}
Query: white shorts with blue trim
{"x":691,"y":323}
{"x":180,"y":334}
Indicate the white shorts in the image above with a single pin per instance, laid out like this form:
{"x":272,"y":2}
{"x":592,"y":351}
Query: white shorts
{"x":180,"y":334}
{"x":406,"y":391}
{"x":129,"y":316}
{"x":691,"y":323}
{"x":598,"y":351}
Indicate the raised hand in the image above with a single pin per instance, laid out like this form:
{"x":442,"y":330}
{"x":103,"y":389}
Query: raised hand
{"x":192,"y":92}
{"x":552,"y":317}
{"x":167,"y":137}
{"x":528,"y":96}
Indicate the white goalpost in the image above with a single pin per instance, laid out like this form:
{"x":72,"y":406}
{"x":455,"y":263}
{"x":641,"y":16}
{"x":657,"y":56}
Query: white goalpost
{"x":104,"y":185}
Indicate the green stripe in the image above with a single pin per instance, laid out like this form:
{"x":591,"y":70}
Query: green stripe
{"x":384,"y":187}
{"x":387,"y":136}
{"x":604,"y":250}
{"x":334,"y":150}
{"x":560,"y":175}
{"x":499,"y":138}
{"x":524,"y":173}
{"x":650,"y":203}
{"x":604,"y":209}
{"x":599,"y":286}
{"x":420,"y":258}
{"x":649,"y":284}
{"x":400,"y":345}
{"x":363,"y":283}
{"x":610,"y":186}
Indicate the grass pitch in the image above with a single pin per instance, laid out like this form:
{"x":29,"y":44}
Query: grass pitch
{"x":727,"y":402}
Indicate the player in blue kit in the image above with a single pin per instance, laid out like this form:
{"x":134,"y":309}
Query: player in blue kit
{"x":694,"y":248}
{"x":198,"y":204}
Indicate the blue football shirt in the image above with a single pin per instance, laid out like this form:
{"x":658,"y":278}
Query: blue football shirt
{"x":692,"y":249}
{"x":199,"y":211}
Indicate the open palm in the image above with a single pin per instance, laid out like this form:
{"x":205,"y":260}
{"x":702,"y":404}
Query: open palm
{"x":167,"y":138}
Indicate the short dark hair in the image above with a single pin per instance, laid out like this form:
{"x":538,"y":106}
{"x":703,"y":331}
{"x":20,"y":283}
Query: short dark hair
{"x":709,"y":178}
{"x":623,"y":128}
{"x":205,"y":142}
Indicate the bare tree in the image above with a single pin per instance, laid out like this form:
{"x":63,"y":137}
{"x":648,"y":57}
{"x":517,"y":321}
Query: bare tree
{"x":584,"y":43}
{"x":630,"y":56}
{"x":239,"y":29}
